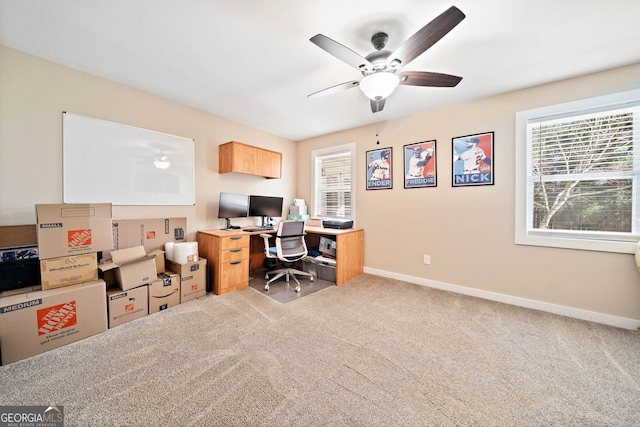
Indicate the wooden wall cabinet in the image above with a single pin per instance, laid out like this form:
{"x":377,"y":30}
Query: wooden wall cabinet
{"x":243,"y":158}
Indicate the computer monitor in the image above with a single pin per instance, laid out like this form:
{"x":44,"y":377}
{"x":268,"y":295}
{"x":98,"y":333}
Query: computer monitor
{"x":265,"y":206}
{"x":233,"y":206}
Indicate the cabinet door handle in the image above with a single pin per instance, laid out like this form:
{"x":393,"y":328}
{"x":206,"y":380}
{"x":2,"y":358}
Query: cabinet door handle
{"x":235,"y":262}
{"x":235,"y":250}
{"x":236,"y":238}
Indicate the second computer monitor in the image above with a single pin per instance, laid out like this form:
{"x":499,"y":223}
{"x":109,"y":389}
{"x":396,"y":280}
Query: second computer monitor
{"x":265,"y":206}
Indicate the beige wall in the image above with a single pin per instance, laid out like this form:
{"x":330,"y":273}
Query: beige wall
{"x":469,"y":231}
{"x":33,"y":95}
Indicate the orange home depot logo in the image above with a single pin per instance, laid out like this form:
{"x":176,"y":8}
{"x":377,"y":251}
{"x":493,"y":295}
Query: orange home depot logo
{"x":129,"y":307}
{"x":76,"y":238}
{"x":56,"y":317}
{"x":151,"y":235}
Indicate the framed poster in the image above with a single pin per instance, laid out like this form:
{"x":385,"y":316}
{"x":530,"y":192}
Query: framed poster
{"x":379,"y":169}
{"x":473,"y":162}
{"x":420,"y":164}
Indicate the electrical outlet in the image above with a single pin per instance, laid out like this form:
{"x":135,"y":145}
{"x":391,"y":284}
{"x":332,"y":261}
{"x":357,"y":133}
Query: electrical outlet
{"x":427,"y":259}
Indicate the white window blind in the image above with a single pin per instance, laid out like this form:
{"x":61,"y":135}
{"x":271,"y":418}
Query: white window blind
{"x":333,"y":183}
{"x":582,"y":176}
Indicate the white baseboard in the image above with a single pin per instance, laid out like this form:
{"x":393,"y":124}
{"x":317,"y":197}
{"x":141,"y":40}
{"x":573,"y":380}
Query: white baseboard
{"x":592,"y":316}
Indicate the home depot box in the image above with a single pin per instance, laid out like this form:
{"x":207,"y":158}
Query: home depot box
{"x":125,"y":306}
{"x":35,"y":322}
{"x":164,"y":292}
{"x":193,"y":278}
{"x":150,"y":233}
{"x":73,"y":229}
{"x":129,"y":268}
{"x":68,"y":270}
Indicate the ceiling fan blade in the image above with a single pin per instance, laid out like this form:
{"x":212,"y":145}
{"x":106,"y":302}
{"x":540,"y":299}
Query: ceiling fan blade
{"x":334,"y":89}
{"x":377,"y":105}
{"x":342,"y":52}
{"x":426,"y":37}
{"x":424,"y":78}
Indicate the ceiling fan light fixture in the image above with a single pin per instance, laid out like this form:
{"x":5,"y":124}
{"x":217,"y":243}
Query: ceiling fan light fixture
{"x":379,"y":85}
{"x":162,"y":162}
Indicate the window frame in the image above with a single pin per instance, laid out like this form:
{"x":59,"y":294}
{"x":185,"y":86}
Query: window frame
{"x":351,"y":148}
{"x":524,"y":236}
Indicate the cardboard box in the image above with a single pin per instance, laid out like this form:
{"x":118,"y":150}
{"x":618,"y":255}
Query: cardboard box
{"x":193,"y":278}
{"x":129,"y":268}
{"x":151,"y":233}
{"x":35,"y":322}
{"x":125,"y":306}
{"x":298,"y":210}
{"x":164,"y":293}
{"x":73,"y":229}
{"x":298,"y":217}
{"x":20,"y":291}
{"x":18,"y":235}
{"x":69,"y":270}
{"x":315,"y":221}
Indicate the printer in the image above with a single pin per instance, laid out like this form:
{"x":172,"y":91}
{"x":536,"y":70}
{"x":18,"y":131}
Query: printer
{"x":337,"y":223}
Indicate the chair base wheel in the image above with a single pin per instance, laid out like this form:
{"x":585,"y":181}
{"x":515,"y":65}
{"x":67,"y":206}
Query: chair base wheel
{"x":266,"y":287}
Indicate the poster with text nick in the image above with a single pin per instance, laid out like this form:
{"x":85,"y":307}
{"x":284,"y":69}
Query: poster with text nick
{"x":420,"y":164}
{"x":473,"y":162}
{"x":379,"y":169}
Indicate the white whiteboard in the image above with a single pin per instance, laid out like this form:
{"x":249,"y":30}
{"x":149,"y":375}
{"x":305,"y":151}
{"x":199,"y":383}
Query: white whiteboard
{"x":107,"y":162}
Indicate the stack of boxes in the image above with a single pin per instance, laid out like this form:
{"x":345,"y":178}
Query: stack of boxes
{"x":70,"y":303}
{"x":298,"y":210}
{"x":82,"y":293}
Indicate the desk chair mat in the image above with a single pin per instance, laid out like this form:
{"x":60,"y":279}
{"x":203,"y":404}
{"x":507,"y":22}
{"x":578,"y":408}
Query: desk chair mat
{"x":280,"y":291}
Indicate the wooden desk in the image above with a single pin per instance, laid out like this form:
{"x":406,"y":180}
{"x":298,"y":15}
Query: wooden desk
{"x":231,"y":254}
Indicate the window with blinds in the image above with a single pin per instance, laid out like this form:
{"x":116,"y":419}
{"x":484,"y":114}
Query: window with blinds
{"x":582,"y":167}
{"x":333,"y":183}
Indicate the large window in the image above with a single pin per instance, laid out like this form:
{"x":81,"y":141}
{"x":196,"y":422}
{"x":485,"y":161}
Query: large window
{"x":578,"y":174}
{"x":333,"y":182}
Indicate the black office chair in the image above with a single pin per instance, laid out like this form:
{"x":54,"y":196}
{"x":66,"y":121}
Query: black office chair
{"x":290,"y":247}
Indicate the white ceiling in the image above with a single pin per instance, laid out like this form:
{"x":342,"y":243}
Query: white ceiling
{"x":251,"y":61}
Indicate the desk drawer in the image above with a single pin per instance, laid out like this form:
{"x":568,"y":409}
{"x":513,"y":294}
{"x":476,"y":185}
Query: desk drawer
{"x":232,"y":242}
{"x":234,"y":254}
{"x":234,"y":273}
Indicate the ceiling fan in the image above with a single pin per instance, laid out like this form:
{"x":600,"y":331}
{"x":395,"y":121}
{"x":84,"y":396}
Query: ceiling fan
{"x":382,"y":69}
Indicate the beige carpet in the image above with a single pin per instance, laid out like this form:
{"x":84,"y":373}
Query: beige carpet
{"x":373,"y":352}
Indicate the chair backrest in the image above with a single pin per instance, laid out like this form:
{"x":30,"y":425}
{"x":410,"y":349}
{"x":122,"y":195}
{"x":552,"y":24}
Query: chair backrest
{"x":290,"y":244}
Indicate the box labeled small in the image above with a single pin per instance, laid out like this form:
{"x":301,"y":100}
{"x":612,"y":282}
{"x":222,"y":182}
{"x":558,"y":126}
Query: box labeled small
{"x":125,"y":306}
{"x":73,"y":229}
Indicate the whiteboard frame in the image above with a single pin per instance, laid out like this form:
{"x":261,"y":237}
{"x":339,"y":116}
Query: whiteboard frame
{"x":108,"y":162}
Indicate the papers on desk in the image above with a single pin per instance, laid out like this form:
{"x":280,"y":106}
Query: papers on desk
{"x":326,"y":260}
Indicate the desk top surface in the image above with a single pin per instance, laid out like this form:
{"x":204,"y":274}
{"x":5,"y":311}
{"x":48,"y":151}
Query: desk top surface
{"x":308,"y":229}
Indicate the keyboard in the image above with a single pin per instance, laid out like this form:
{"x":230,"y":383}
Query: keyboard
{"x":255,"y":229}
